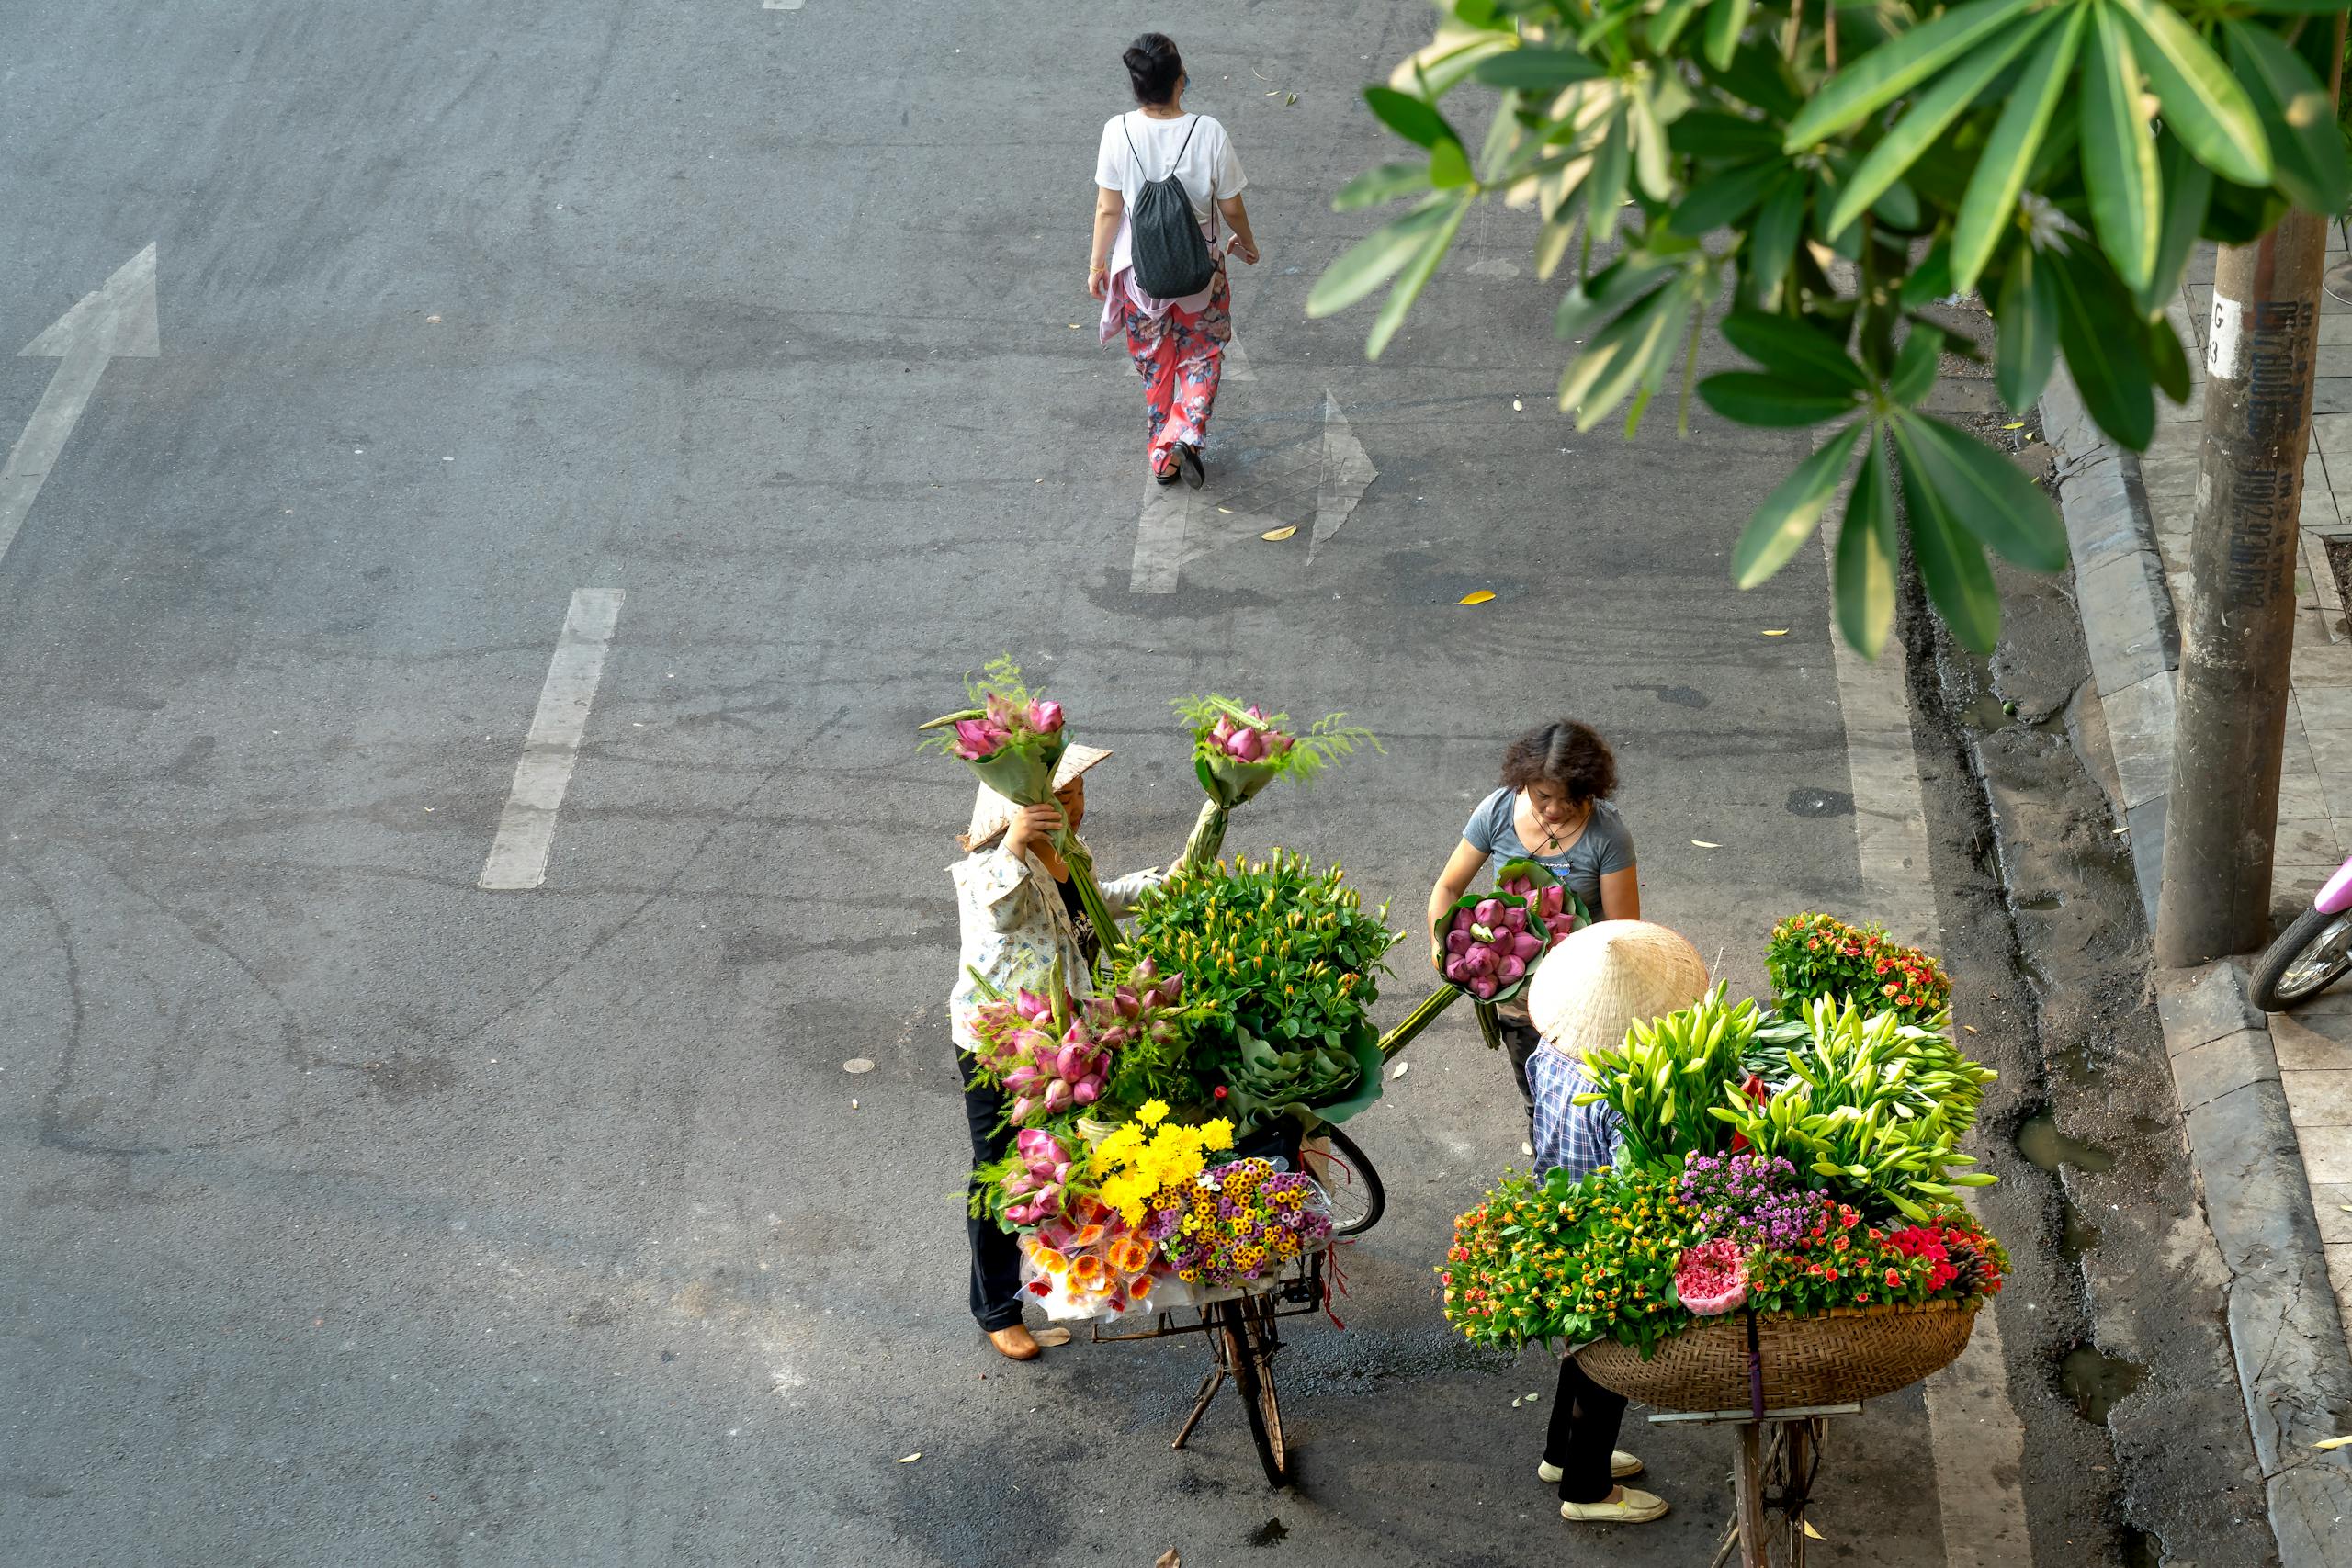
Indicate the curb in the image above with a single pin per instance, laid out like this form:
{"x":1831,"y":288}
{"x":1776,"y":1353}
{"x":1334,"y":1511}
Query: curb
{"x":2294,"y":1368}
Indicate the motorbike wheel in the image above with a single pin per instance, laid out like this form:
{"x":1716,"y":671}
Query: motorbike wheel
{"x":2304,"y":960}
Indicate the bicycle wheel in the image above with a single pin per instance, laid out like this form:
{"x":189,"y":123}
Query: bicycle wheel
{"x":1250,"y":1346}
{"x":2307,"y":958}
{"x":1348,"y":1178}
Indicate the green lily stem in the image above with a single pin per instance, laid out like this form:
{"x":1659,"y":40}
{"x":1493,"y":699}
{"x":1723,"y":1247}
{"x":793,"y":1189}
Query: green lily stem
{"x":1089,"y":896}
{"x":1436,"y":1002}
{"x":1208,"y":838}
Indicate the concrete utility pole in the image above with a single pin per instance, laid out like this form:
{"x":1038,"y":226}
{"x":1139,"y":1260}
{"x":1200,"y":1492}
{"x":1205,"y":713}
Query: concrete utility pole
{"x":2238,"y":640}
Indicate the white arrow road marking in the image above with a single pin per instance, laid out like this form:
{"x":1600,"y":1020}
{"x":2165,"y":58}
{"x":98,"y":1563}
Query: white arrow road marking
{"x":779,"y":5}
{"x":114,"y":321}
{"x":1347,"y":474}
{"x":1177,"y":526}
{"x":1237,"y":364}
{"x":518,"y":856}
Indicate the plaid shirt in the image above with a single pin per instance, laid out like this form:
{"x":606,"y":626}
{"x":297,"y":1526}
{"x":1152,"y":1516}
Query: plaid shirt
{"x":1580,"y":1138}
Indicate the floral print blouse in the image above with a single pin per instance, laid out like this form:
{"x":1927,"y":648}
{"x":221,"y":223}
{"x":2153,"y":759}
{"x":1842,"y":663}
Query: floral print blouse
{"x":1015,"y":926}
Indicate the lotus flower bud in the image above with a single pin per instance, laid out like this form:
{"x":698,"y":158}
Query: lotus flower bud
{"x":1222,"y":730}
{"x":1525,"y":947}
{"x":1068,"y":1062}
{"x":1256,"y":713}
{"x":1510,"y":969}
{"x":999,"y":710}
{"x":1061,"y":1171}
{"x":977,"y":741}
{"x":1171,"y":989}
{"x":1020,"y":1184}
{"x":1022,"y":1106}
{"x":1514,"y":918}
{"x":1486,"y":911}
{"x":1125,"y":1000}
{"x":1277,"y":743}
{"x":1556,"y":898}
{"x":1032,"y":1006}
{"x":1479,"y":961}
{"x":1247,"y":745}
{"x":1148,"y":1002}
{"x":1024,"y":1077}
{"x":1088,"y":1091}
{"x":1454,"y":970}
{"x":1484,"y":988}
{"x":1056,"y":1097}
{"x":1457,"y":941}
{"x":1462,"y":920}
{"x":1148,"y":971}
{"x":1044,"y":717}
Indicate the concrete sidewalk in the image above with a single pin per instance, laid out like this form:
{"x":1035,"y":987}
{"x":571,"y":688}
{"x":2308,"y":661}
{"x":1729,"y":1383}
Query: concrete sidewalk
{"x":2266,"y":1102}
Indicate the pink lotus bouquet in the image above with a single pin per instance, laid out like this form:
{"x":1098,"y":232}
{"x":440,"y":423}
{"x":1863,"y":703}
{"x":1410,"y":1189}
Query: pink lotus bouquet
{"x":1036,"y":1186}
{"x":1548,"y":897}
{"x":1055,"y":1061}
{"x":1238,"y":750}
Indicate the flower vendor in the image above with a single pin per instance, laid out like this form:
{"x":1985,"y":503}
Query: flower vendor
{"x":1553,"y":807}
{"x":1594,"y":984}
{"x":1022,"y":926}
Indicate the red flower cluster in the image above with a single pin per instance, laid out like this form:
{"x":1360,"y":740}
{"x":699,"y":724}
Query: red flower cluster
{"x":1843,"y":1262}
{"x":1813,"y":954}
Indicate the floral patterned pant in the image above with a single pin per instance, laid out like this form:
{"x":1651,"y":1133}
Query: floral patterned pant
{"x":1181,"y":357}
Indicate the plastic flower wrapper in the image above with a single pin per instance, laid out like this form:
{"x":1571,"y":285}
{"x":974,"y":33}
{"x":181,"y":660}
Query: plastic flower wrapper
{"x":1238,"y":750}
{"x":1012,"y":738}
{"x":1086,"y":1263}
{"x":1712,"y":1278}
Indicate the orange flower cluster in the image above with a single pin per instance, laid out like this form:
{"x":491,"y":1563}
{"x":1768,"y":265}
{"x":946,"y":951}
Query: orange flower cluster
{"x":1813,"y":955}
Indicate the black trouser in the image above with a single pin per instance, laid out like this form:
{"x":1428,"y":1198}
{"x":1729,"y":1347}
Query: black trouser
{"x":996,"y":1256}
{"x":1520,"y":1042}
{"x":1585,"y":1418}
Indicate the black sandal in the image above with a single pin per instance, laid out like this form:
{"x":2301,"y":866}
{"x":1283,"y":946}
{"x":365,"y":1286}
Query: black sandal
{"x":1166,"y":476}
{"x":1189,"y":458}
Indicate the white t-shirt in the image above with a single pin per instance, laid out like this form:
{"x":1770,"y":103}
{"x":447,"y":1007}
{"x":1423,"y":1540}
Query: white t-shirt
{"x":1209,"y":169}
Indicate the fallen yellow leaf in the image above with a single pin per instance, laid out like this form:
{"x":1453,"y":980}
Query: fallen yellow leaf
{"x":1704,"y":844}
{"x":1970,"y":1027}
{"x":1810,"y":1531}
{"x":1275,"y":535}
{"x":1777,"y":631}
{"x":2014,"y":424}
{"x":2333,"y":1442}
{"x":912,"y":1457}
{"x":1480,"y":597}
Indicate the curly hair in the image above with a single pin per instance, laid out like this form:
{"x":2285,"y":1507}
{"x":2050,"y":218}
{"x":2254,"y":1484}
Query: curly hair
{"x":1565,"y":752}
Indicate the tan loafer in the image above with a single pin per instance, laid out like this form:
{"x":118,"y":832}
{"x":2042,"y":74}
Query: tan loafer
{"x":1628,"y":1508}
{"x":1622,"y":1466}
{"x":1016,"y":1344}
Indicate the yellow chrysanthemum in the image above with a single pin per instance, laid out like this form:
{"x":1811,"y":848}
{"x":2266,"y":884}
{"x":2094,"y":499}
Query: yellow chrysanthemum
{"x":1152,"y":1113}
{"x":1216,"y":1136}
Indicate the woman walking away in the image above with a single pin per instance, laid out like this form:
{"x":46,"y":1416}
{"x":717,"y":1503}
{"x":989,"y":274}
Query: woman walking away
{"x":1164,"y":178}
{"x":1592,"y":987}
{"x":1554,"y":808}
{"x":1021,"y":918}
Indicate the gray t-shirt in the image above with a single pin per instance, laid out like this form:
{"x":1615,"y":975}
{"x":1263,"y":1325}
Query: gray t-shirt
{"x":1605,"y":846}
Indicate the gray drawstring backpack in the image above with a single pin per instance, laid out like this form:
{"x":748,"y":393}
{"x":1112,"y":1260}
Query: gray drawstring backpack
{"x":1170,"y":258}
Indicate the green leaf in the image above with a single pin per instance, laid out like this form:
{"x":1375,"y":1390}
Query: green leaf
{"x":1535,"y":69}
{"x":1930,"y":280}
{"x":1897,"y":207}
{"x":1726,"y":20}
{"x":2189,"y":187}
{"x":1718,"y":137}
{"x":1772,"y":239}
{"x":1372,"y":260}
{"x":2306,"y":147}
{"x":2203,"y":104}
{"x":2028,"y":317}
{"x":2104,"y":355}
{"x":1886,"y":72}
{"x":1650,"y":166}
{"x":1723,"y":198}
{"x":1669,"y":21}
{"x":1914,"y":364}
{"x":1929,"y":116}
{"x":1794,"y":351}
{"x":1604,"y":189}
{"x":2119,"y":153}
{"x":2008,"y":153}
{"x":1788,"y":515}
{"x":1449,"y":167}
{"x":1951,"y":565}
{"x":1605,"y":293}
{"x":1757,"y":75}
{"x":1863,"y":575}
{"x":1988,"y":493}
{"x":1408,"y":288}
{"x":1384,"y":184}
{"x":1415,"y":119}
{"x":2167,"y":361}
{"x":1617,"y":360}
{"x":1746,"y":396}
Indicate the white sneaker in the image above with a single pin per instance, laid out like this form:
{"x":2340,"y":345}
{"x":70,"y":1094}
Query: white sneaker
{"x":1631,"y":1508}
{"x":1622,"y":1466}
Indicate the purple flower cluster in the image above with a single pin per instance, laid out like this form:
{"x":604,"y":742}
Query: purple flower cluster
{"x":1755,"y":1199}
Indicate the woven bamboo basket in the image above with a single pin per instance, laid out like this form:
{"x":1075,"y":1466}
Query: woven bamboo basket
{"x":1851,"y":1354}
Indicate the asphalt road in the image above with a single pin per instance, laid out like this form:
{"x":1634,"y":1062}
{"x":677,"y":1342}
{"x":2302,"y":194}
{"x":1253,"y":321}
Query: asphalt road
{"x":359,"y":1214}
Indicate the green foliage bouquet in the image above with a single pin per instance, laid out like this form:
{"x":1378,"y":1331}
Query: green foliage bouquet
{"x":1554,"y":1259}
{"x":1669,"y":1077}
{"x":1280,"y":963}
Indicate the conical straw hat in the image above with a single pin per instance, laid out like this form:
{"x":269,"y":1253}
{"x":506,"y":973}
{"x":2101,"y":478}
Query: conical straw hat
{"x":992,"y":813}
{"x":1601,"y":980}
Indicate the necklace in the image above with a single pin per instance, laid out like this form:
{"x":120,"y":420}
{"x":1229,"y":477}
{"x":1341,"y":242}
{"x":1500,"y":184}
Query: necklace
{"x":1551,"y":836}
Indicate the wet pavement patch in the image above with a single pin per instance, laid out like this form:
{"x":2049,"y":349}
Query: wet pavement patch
{"x":1272,"y":1533}
{"x":2096,"y":1381}
{"x":1809,"y":802}
{"x":2048,"y":1148}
